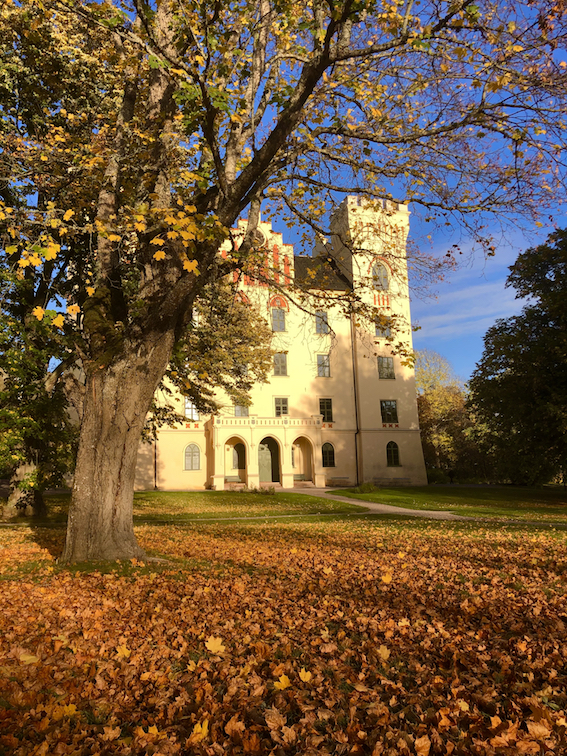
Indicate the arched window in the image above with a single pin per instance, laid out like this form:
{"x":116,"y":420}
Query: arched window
{"x":192,"y":457}
{"x":380,"y":277}
{"x":392,"y":454}
{"x":328,"y":455}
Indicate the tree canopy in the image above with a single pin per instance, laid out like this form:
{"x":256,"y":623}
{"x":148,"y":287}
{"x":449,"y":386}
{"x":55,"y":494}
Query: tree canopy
{"x":519,"y":387}
{"x":136,"y":133}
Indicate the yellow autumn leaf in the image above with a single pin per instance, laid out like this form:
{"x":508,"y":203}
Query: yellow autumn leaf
{"x":39,"y":312}
{"x":172,"y":234}
{"x":28,"y":658}
{"x":123,"y":652}
{"x":191,"y":266}
{"x":68,"y":215}
{"x":283,"y":683}
{"x":153,"y":730}
{"x":58,"y":321}
{"x":114,"y":237}
{"x":214,"y":645}
{"x":384,"y":653}
{"x":90,"y":291}
{"x":387,"y":577}
{"x":199,"y":732}
{"x":304,"y":675}
{"x":156,"y":240}
{"x":51,"y":252}
{"x":70,"y":710}
{"x":10,"y":250}
{"x":159,"y":255}
{"x":140,"y":226}
{"x":73,"y":309}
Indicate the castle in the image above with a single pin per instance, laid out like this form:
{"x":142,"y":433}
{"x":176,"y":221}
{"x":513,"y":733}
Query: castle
{"x":340,"y":407}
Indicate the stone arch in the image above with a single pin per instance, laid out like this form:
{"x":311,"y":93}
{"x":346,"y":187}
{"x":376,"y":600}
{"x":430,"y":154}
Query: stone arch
{"x":269,"y":460}
{"x":236,"y":460}
{"x":302,"y":460}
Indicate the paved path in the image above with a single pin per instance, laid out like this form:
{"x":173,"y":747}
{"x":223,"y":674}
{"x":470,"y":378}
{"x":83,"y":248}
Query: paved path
{"x":330,"y":493}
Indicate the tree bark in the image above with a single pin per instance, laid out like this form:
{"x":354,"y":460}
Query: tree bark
{"x":117,"y":399}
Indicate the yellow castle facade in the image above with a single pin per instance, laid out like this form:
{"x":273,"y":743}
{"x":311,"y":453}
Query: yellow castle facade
{"x":340,"y":406}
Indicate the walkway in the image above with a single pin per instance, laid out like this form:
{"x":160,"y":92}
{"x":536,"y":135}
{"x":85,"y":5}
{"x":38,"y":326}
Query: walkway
{"x":329,"y":493}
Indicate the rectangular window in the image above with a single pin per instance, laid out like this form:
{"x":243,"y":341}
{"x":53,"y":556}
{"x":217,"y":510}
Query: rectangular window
{"x":321,"y":322}
{"x":383,"y":331}
{"x":323,"y":366}
{"x":389,"y":410}
{"x":280,"y":363}
{"x":326,"y":409}
{"x":386,"y":367}
{"x":240,"y":410}
{"x":281,"y":406}
{"x":191,"y":412}
{"x":278,"y":320}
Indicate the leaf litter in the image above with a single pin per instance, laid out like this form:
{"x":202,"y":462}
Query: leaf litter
{"x":311,"y":638}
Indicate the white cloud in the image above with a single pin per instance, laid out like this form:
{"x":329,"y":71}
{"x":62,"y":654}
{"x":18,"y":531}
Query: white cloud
{"x":464,"y":311}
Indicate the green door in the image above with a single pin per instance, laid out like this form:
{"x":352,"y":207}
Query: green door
{"x":265,"y":463}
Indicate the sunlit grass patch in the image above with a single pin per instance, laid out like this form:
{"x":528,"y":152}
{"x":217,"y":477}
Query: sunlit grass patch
{"x":504,"y":502}
{"x":182,"y":505}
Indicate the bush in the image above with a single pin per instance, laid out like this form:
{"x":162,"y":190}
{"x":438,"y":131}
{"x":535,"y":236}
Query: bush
{"x":366,"y":488}
{"x":434,"y":475}
{"x":270,"y":491}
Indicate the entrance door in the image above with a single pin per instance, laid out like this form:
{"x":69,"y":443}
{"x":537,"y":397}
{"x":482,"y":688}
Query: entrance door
{"x":269,"y":461}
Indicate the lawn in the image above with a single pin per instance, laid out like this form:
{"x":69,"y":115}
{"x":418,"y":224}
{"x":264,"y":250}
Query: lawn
{"x":183,"y":506}
{"x":503,"y":502}
{"x":342,"y":635}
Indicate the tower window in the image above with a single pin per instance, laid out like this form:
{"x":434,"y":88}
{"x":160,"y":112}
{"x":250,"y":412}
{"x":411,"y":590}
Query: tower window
{"x":278,"y":320}
{"x":281,"y":406}
{"x":323,"y":366}
{"x":321,"y":322}
{"x":191,"y":412}
{"x":392,"y":454}
{"x":389,"y":410}
{"x":328,"y":455}
{"x":280,"y":363}
{"x":383,"y":331}
{"x":326,"y":409}
{"x":380,"y":278}
{"x":386,"y":367}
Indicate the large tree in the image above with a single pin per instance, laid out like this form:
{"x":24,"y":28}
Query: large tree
{"x":136,"y":132}
{"x":519,"y":387}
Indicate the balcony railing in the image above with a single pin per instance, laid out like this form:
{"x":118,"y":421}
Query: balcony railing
{"x":253,"y":420}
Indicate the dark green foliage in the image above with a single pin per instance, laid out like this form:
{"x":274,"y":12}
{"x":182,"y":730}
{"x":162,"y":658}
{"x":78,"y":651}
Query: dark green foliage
{"x":519,"y":388}
{"x":35,"y":430}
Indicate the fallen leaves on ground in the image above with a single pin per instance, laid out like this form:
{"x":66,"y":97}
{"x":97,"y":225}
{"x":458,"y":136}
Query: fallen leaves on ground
{"x":286,"y":639}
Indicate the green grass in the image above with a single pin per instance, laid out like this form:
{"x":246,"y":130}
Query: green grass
{"x":503,"y":502}
{"x":186,"y":506}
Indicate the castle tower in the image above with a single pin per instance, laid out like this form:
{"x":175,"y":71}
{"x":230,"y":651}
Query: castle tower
{"x":369,"y":244}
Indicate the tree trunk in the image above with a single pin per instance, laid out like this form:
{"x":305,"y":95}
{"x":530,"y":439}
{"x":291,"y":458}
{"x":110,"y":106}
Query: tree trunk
{"x":116,"y":402}
{"x":24,"y":502}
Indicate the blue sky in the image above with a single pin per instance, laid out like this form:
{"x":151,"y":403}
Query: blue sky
{"x":455,"y":316}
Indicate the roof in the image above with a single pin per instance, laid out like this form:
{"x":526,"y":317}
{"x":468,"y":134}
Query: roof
{"x":317,"y":273}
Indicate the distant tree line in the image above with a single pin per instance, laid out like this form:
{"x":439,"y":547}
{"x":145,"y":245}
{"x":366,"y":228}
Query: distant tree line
{"x":509,"y":424}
